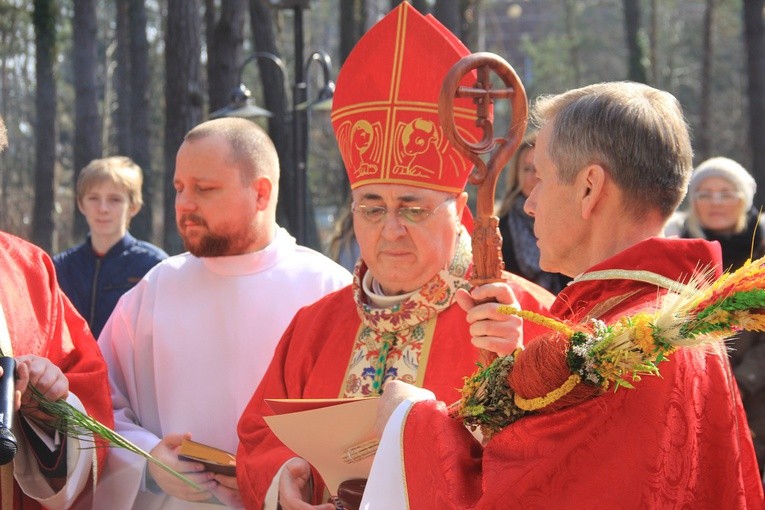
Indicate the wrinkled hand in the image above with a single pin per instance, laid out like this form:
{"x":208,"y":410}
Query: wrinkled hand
{"x":227,"y":491}
{"x":295,"y":487}
{"x":395,"y":392}
{"x":490,"y":329}
{"x":167,"y":452}
{"x":46,"y":377}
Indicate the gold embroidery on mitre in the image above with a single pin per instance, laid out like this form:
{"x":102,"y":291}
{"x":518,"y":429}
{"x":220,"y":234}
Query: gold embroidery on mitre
{"x":396,"y":137}
{"x":362,"y":143}
{"x":416,"y":150}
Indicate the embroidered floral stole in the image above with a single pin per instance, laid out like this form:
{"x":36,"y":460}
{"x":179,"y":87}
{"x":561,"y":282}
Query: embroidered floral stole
{"x":394,"y":342}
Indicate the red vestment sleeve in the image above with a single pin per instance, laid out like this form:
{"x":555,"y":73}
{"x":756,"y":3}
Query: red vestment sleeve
{"x":42,"y":321}
{"x":448,"y":462}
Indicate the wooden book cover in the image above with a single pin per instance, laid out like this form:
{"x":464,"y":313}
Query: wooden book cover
{"x":214,"y":459}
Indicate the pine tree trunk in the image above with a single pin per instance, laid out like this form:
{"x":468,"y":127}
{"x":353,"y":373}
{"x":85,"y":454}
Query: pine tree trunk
{"x":448,"y":13}
{"x":44,"y":20}
{"x":183,"y":98}
{"x":121,"y":79}
{"x":225,"y":36}
{"x":573,"y":41}
{"x":142,"y":225}
{"x":754,"y":37}
{"x":87,"y":119}
{"x":274,"y":93}
{"x":705,"y":96}
{"x":352,"y":25}
{"x":636,"y":69}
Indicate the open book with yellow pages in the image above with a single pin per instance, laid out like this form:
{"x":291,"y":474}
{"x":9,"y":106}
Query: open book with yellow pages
{"x":214,"y":459}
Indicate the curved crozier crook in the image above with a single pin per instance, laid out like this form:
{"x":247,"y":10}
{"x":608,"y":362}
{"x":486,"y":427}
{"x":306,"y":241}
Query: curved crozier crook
{"x":487,"y":241}
{"x":483,"y":95}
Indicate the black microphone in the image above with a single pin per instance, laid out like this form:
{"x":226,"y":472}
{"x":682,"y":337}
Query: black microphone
{"x":8,"y":446}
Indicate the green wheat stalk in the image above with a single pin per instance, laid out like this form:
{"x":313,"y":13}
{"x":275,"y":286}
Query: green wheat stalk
{"x":74,"y":423}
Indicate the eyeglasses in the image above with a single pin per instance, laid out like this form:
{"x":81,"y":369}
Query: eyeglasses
{"x":719,"y":196}
{"x":375,"y":213}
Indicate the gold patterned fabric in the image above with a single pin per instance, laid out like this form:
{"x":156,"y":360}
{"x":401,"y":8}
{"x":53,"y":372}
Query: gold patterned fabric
{"x":393,"y":342}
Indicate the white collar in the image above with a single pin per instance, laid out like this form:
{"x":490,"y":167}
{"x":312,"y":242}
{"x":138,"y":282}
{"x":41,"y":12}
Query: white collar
{"x":377,"y":297}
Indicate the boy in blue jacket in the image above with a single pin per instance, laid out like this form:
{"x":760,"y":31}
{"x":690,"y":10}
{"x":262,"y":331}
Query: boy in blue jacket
{"x":97,"y":272}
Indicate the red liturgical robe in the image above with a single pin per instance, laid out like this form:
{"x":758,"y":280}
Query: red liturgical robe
{"x":42,"y":321}
{"x":676,"y":441}
{"x":318,"y":352}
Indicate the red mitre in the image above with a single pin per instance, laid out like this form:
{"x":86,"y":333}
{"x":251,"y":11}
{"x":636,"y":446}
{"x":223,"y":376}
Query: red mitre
{"x":385,"y":107}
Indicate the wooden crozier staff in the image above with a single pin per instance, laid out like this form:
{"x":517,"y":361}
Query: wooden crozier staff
{"x":486,"y":239}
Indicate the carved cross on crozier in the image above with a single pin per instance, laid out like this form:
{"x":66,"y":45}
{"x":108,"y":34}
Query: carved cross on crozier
{"x":487,"y":241}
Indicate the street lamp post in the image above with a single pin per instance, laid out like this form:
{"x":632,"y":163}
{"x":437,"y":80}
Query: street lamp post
{"x":300,"y":124}
{"x":240,"y":101}
{"x":241,"y":105}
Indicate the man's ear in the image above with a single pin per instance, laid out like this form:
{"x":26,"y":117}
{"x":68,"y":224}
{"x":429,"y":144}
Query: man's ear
{"x":263,"y":187}
{"x":592,"y":188}
{"x":461,"y":201}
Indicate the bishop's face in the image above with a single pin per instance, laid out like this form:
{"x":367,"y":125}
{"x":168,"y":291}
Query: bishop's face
{"x":403,"y":255}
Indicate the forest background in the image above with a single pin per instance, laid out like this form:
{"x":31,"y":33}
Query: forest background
{"x":83,"y":79}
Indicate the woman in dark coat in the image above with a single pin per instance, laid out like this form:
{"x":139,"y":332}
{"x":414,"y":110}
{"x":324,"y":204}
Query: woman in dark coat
{"x":519,"y":245}
{"x":721,"y":193}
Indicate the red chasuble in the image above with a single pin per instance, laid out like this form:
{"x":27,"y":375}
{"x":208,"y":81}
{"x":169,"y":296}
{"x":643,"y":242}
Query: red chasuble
{"x":318,"y":352}
{"x":42,"y":321}
{"x":676,"y":441}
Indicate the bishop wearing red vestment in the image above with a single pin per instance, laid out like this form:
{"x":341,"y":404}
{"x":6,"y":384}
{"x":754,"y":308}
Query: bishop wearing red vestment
{"x":398,"y":320}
